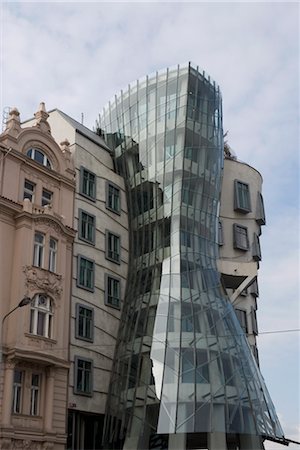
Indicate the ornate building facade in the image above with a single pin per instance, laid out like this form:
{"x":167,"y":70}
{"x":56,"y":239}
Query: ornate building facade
{"x":36,"y":227}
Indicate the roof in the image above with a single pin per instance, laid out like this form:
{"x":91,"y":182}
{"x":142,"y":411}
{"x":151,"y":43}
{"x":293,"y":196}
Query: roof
{"x":81,"y":129}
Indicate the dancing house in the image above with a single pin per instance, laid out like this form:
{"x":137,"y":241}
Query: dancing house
{"x":185,"y":374}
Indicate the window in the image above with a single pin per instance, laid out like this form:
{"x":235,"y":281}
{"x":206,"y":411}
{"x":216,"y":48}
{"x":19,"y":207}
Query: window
{"x":87,"y":183}
{"x":112,"y":292}
{"x":185,"y":238}
{"x":83,"y":376}
{"x":112,"y":247}
{"x":84,"y":322}
{"x":87,"y":225}
{"x":17,"y":391}
{"x":38,"y":251}
{"x":242,"y":318}
{"x":39,"y":157}
{"x":52,"y":254}
{"x":220,"y":233}
{"x":113,"y":197}
{"x":256,"y":252}
{"x":34,"y":394}
{"x":240,"y":237}
{"x":254,"y":288}
{"x":41,"y":316}
{"x":29,"y":189}
{"x":46,"y":197}
{"x":241,"y":197}
{"x":194,"y":367}
{"x":260,"y":210}
{"x":254,"y":321}
{"x":85,"y":274}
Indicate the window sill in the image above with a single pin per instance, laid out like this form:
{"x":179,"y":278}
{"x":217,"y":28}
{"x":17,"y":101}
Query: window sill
{"x":115,"y":211}
{"x":93,"y":199}
{"x":41,"y":338}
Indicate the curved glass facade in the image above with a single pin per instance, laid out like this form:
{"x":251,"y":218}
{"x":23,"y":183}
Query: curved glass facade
{"x":182,"y":363}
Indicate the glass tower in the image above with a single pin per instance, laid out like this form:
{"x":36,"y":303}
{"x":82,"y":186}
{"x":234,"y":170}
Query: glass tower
{"x":184,"y":375}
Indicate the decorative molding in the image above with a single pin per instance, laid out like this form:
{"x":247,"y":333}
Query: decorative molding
{"x":40,"y":279}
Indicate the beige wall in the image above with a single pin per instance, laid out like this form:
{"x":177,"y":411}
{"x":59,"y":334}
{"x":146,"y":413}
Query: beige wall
{"x":238,"y":265}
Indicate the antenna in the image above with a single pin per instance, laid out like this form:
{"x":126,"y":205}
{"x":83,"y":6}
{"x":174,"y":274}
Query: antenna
{"x":5,"y":116}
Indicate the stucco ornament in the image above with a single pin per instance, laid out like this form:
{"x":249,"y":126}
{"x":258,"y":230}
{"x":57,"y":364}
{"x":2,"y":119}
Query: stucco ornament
{"x":42,"y":279}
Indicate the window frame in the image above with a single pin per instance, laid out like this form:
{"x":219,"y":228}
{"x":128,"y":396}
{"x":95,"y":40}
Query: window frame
{"x":220,"y":233}
{"x":78,"y":284}
{"x":35,"y":391}
{"x":18,"y":391}
{"x":108,"y":278}
{"x":77,"y":323}
{"x":81,"y":184}
{"x":109,"y":185}
{"x":46,"y":161}
{"x":76,"y":391}
{"x":236,"y":240}
{"x":27,"y":191}
{"x":256,"y":250}
{"x":260,"y":215}
{"x":108,"y":250}
{"x":38,"y":250}
{"x":80,"y":222}
{"x":241,"y":315}
{"x":52,"y":260}
{"x":240,"y":186}
{"x":47,"y":314}
{"x":45,"y":201}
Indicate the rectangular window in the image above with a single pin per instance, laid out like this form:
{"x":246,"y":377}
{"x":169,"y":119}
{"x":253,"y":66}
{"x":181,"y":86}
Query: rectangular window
{"x":220,"y":233}
{"x":113,"y":247}
{"x":85,"y":273}
{"x":254,"y":288}
{"x":38,"y":250}
{"x":112,"y":292}
{"x":194,"y":367}
{"x":83,"y":376}
{"x":29,"y":188}
{"x":256,"y":251}
{"x":241,"y":197}
{"x":260,"y":210}
{"x":46,"y":197}
{"x":242,"y":317}
{"x":17,"y":391}
{"x":240,"y":237}
{"x":87,"y":226}
{"x":52,"y":254}
{"x":84,"y":322}
{"x":87,"y":183}
{"x":254,"y":321}
{"x":185,"y":238}
{"x":34,"y":394}
{"x":113,"y":198}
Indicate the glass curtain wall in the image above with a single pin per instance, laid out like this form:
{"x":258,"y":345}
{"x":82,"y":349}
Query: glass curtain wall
{"x":182,"y":363}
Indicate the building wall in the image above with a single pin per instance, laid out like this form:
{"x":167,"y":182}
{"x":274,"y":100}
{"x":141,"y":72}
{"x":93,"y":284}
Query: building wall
{"x":91,"y":154}
{"x":241,"y":265}
{"x":34,"y":346}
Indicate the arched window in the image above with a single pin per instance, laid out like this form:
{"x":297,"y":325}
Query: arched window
{"x":41,"y":316}
{"x":39,"y":156}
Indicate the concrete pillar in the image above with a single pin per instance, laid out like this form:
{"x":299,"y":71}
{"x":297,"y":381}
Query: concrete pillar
{"x":7,"y":393}
{"x":177,"y":441}
{"x":250,"y":442}
{"x":48,"y":408}
{"x":216,"y":440}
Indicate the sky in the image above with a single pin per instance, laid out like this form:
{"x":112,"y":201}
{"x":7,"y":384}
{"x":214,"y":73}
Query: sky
{"x":76,"y":56}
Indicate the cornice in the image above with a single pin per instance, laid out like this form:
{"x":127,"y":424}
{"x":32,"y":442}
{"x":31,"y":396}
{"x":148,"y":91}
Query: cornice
{"x":49,"y":220}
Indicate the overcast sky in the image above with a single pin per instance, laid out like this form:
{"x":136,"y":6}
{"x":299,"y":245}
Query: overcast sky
{"x":75,"y":56}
